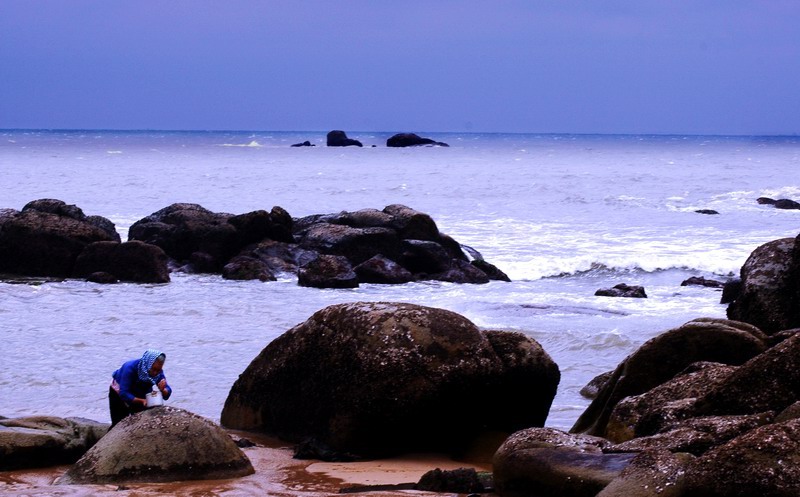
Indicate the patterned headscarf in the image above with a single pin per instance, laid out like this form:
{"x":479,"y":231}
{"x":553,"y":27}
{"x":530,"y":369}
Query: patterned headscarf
{"x":146,"y":362}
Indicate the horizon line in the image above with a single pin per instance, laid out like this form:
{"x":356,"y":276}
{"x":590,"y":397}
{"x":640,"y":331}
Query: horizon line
{"x":469,"y":132}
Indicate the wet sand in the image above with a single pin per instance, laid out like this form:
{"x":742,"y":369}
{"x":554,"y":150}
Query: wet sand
{"x":276,"y":474}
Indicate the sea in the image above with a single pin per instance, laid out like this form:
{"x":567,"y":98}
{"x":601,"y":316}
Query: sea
{"x":562,"y":215}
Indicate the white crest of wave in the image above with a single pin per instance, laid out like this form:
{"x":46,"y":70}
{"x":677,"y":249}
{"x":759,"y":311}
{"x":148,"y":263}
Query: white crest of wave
{"x":252,"y":144}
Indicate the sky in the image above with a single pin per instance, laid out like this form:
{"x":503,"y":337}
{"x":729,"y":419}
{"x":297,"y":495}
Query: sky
{"x":567,"y":66}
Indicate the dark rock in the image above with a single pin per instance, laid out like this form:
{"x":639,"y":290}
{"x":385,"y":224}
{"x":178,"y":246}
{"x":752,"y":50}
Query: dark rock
{"x":202,"y":262}
{"x":492,"y":271}
{"x":656,"y":473}
{"x":134,"y":261}
{"x":183,"y":229}
{"x":622,"y":290}
{"x":338,"y":138}
{"x":247,"y":268}
{"x":281,"y":257}
{"x":785,"y":203}
{"x":649,"y":412}
{"x":770,"y":294}
{"x":412,"y":224}
{"x":411,"y":140}
{"x":707,"y":211}
{"x":304,"y":144}
{"x":596,"y":384}
{"x":356,"y":244}
{"x":459,"y":481}
{"x":311,"y":448}
{"x":462,"y":272}
{"x":766,"y":201}
{"x":255,"y":226}
{"x":57,"y":207}
{"x":379,"y":269}
{"x":780,"y":336}
{"x":696,"y":435}
{"x":702,"y":281}
{"x":661,"y":358}
{"x":791,"y":412}
{"x":41,"y":441}
{"x":545,"y":462}
{"x":160,"y":445}
{"x":763,"y":462}
{"x":38,"y":243}
{"x":731,"y":291}
{"x":102,"y":278}
{"x":424,"y":257}
{"x":328,"y":271}
{"x":385,"y":378}
{"x":767,"y":382}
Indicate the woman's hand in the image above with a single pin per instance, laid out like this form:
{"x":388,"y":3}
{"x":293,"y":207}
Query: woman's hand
{"x":162,"y":385}
{"x":137,"y":400}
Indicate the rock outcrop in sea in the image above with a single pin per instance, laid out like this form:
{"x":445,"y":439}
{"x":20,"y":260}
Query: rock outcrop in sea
{"x":160,"y":445}
{"x":376,"y":379}
{"x":412,"y":140}
{"x":338,"y":138}
{"x":394,"y":245}
{"x":51,"y":238}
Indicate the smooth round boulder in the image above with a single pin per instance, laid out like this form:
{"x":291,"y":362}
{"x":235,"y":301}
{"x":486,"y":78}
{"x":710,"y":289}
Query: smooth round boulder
{"x":550,"y":463}
{"x":328,"y":271}
{"x":160,"y":445}
{"x":385,"y":378}
{"x":654,"y":473}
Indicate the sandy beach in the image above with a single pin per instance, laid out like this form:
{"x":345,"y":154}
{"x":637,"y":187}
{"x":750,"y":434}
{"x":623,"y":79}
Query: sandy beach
{"x":276,"y":474}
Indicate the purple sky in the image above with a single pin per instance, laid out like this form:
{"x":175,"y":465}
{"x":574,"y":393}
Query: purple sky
{"x":710,"y":67}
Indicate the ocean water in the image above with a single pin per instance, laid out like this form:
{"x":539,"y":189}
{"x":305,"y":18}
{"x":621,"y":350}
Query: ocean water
{"x":562,"y":215}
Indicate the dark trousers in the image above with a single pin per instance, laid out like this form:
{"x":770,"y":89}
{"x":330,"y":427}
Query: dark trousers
{"x":119,"y":409}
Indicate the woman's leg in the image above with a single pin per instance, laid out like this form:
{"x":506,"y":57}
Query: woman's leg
{"x":118,"y":408}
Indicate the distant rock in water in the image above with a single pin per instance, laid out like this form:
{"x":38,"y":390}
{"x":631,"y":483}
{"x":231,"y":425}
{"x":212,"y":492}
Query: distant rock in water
{"x":707,"y":211}
{"x":701,"y":281}
{"x":622,"y":290}
{"x":338,"y":138}
{"x":783,"y":203}
{"x":411,"y":140}
{"x":304,"y":144}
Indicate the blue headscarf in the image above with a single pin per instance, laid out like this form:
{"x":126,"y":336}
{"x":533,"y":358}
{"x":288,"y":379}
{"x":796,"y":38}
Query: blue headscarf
{"x":146,"y":362}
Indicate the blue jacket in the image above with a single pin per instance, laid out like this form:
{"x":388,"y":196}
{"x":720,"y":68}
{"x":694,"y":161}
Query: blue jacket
{"x":131,"y":386}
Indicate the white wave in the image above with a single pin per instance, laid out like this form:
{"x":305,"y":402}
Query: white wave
{"x":252,"y":144}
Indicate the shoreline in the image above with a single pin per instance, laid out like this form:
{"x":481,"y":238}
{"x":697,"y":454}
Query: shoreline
{"x":277,"y":473}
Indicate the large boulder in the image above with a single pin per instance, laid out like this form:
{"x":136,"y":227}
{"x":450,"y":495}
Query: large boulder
{"x":767,"y":382}
{"x":46,"y":238}
{"x":661,"y":358}
{"x":160,"y":445}
{"x":357,"y":244}
{"x":383,"y":378}
{"x":247,"y":268}
{"x":184,"y":229}
{"x":411,"y":140}
{"x":649,"y":412}
{"x":338,"y":138}
{"x":653,"y":473}
{"x":328,"y":271}
{"x":549,"y":463}
{"x":769,"y":296}
{"x":380,"y":269}
{"x":40,"y":441}
{"x":134,"y":261}
{"x":763,"y":462}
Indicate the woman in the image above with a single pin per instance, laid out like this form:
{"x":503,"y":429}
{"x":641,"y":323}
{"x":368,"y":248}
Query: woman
{"x":132,"y":382}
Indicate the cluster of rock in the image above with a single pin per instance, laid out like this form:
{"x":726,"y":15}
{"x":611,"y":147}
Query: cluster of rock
{"x":377,"y":379}
{"x":53,"y":239}
{"x":391,"y":246}
{"x":709,"y":408}
{"x":782,"y":203}
{"x":338,"y":138}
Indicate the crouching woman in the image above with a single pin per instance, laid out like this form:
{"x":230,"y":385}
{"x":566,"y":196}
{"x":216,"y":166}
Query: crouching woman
{"x":132,"y":382}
